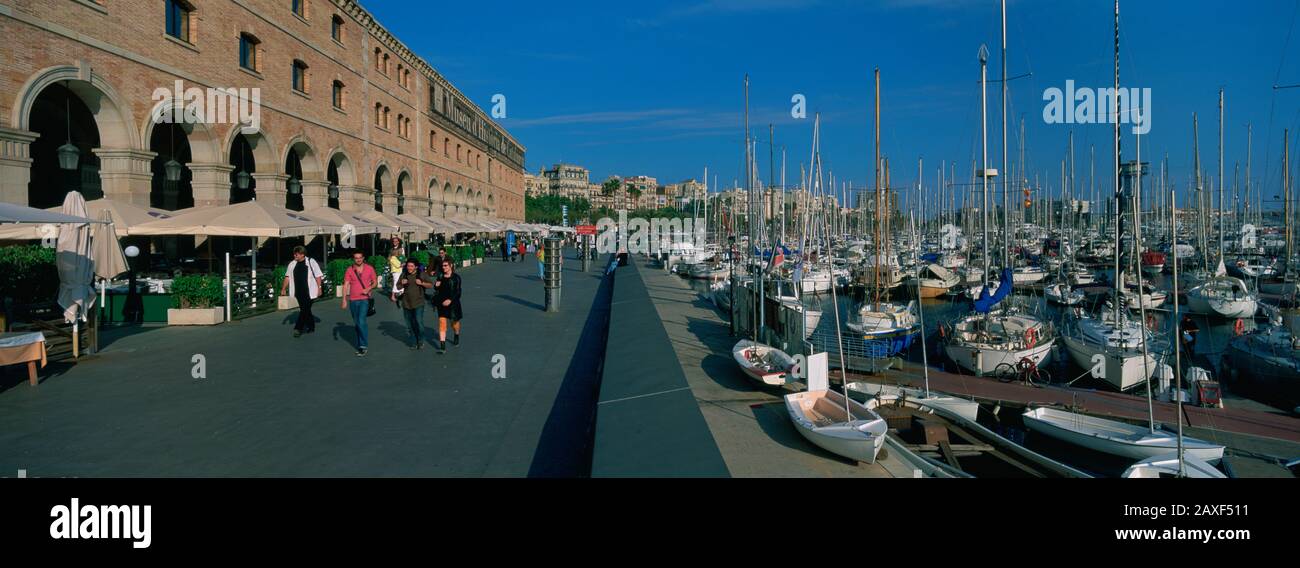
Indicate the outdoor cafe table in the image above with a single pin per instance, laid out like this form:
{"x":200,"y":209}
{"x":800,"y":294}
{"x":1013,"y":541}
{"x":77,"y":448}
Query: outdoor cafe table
{"x":23,"y":347}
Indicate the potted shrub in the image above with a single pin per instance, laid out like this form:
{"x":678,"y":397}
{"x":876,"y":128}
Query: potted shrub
{"x":334,"y":272}
{"x":197,"y":300}
{"x":277,"y":280}
{"x":479,"y":251}
{"x":464,"y":255}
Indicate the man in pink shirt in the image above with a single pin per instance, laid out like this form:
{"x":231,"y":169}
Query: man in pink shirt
{"x":358,"y":281}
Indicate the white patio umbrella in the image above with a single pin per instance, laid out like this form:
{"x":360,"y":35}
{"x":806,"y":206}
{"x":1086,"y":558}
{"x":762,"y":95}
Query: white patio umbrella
{"x":73,"y":260}
{"x":23,"y":222}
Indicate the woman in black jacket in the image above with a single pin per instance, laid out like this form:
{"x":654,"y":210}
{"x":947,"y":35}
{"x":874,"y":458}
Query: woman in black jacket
{"x":446,"y":298}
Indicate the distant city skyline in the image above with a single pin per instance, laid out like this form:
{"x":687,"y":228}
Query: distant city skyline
{"x":621,"y":89}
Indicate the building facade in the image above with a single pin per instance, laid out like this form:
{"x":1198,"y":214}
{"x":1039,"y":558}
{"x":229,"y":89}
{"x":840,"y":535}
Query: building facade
{"x":568,"y":180}
{"x":341,"y":112}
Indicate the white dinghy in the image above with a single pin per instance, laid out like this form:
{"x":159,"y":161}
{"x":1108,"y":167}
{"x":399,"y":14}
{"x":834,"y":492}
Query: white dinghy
{"x":834,"y":422}
{"x":764,"y":363}
{"x":1166,"y":465}
{"x":1114,"y":437}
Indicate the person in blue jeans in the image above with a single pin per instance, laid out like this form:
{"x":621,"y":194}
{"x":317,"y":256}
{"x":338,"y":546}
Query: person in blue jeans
{"x":358,"y":282}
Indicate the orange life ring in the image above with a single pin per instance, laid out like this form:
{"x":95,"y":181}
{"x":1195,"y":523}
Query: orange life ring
{"x":1239,"y":327}
{"x":1031,"y":337}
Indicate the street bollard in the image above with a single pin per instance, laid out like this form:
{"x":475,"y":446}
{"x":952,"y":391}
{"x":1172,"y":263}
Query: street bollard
{"x":551,"y":272}
{"x":582,"y":252}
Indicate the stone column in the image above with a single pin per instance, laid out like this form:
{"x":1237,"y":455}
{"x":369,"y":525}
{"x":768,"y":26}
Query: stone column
{"x":418,"y":206}
{"x":15,"y":164}
{"x":211,"y":184}
{"x":271,"y":188}
{"x":315,"y":193}
{"x":125,"y":174}
{"x":355,"y":198}
{"x":390,"y":203}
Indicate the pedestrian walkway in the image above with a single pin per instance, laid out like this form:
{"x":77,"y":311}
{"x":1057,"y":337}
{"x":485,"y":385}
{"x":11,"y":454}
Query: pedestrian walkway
{"x":273,"y":405}
{"x":749,"y":423}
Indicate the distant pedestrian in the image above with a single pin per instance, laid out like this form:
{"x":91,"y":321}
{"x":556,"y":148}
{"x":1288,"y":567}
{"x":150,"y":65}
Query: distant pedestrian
{"x":446,"y":297}
{"x":303,"y":281}
{"x":541,"y":262}
{"x":437,"y":262}
{"x":396,"y":257}
{"x":358,"y":282}
{"x":523,"y":249}
{"x":505,"y":252}
{"x":414,"y":282}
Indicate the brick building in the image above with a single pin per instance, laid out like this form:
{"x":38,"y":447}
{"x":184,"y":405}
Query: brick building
{"x":348,"y":117}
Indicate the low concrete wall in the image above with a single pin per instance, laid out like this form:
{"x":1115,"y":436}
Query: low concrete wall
{"x":648,"y":423}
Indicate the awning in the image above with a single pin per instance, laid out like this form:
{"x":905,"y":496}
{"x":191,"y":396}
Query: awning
{"x":247,"y":219}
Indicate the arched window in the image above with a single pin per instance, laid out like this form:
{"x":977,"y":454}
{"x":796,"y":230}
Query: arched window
{"x":388,"y":123}
{"x":379,"y":60}
{"x":299,"y":7}
{"x":401,"y":125}
{"x":379,"y":114}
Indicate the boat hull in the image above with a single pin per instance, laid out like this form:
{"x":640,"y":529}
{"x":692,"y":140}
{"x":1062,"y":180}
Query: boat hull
{"x":984,"y":360}
{"x":1159,"y":443}
{"x":1134,"y":368}
{"x":858,"y":440}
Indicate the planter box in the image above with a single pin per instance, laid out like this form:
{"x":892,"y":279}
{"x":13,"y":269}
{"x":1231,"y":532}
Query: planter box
{"x":286,"y":302}
{"x":338,"y":291}
{"x":204,"y":316}
{"x":478,"y":260}
{"x":464,"y":264}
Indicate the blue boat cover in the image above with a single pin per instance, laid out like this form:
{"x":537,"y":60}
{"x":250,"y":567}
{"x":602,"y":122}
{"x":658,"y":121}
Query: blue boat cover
{"x":985,"y":302}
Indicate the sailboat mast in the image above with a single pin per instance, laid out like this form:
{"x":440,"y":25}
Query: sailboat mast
{"x":1222,"y":207}
{"x":1115,"y":121}
{"x":984,"y":153}
{"x":1006,"y":198}
{"x":1178,"y":358}
{"x":878,"y":206}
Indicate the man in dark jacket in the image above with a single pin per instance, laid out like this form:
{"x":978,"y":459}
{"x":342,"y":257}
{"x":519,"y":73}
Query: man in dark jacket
{"x":446,"y":298}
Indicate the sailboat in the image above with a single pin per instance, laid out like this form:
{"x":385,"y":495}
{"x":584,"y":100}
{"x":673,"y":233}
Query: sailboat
{"x":1223,"y":296}
{"x":989,"y":339}
{"x":933,"y":280}
{"x":762,"y":362}
{"x":1111,"y":344}
{"x":1061,"y":293}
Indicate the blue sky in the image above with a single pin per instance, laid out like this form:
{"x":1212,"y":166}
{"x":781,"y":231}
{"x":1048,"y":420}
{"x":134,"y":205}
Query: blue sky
{"x":655,"y":88}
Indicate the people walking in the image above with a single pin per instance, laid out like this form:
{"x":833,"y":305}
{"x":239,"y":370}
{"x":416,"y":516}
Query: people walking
{"x":446,"y":297}
{"x":303,"y":281}
{"x":358,"y":282}
{"x":523,"y":249}
{"x":396,"y":257}
{"x":541,"y":262}
{"x":413,"y":283}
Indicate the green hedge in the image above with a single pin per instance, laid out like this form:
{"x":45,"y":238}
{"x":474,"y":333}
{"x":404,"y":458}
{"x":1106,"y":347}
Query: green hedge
{"x":28,"y":274}
{"x":479,"y":251}
{"x":200,"y":291}
{"x":335,"y":270}
{"x":422,"y":257}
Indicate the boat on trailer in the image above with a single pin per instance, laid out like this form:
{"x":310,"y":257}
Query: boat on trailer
{"x":763,"y":363}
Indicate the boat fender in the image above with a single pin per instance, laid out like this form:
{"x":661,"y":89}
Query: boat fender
{"x":1239,"y":328}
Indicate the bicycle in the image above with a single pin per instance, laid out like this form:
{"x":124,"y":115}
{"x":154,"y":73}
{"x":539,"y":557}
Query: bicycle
{"x":1023,"y":371}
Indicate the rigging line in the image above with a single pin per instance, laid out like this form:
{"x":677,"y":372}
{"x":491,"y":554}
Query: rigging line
{"x":1272,"y":105}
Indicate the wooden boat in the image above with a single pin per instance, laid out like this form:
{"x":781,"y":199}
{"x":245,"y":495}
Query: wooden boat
{"x":820,"y":417}
{"x":1113,"y":437}
{"x":958,"y":445}
{"x":764,"y":363}
{"x":1166,"y":465}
